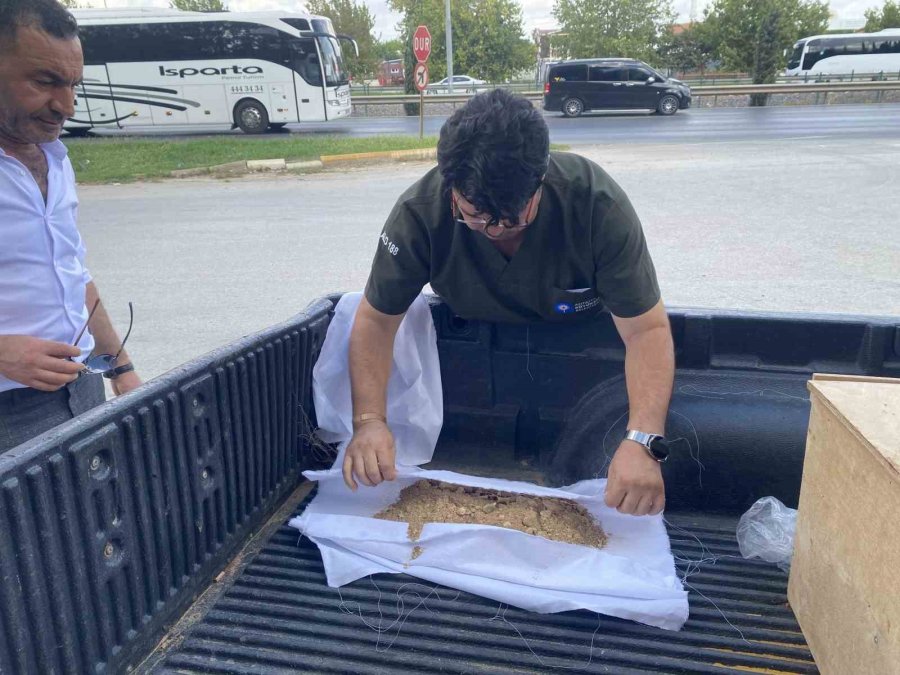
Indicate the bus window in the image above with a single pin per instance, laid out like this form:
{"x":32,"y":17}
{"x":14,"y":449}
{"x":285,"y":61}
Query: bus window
{"x":796,"y":55}
{"x":299,"y":24}
{"x":335,"y":75}
{"x":251,"y":41}
{"x":305,"y":60}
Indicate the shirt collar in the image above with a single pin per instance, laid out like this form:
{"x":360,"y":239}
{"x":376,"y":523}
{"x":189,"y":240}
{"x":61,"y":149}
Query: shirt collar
{"x":56,"y":149}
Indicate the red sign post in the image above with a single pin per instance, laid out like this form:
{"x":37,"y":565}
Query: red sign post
{"x":422,"y":50}
{"x":422,"y":44}
{"x":420,"y":76}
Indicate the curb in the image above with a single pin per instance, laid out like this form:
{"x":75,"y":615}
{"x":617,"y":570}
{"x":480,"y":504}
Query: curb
{"x":393,"y":155}
{"x":281,"y":164}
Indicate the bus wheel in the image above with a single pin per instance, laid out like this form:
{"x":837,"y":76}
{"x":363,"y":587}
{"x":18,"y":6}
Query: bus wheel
{"x":251,"y":117}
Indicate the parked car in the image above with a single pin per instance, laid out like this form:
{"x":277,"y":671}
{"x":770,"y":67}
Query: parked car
{"x":578,"y":86}
{"x":461,"y":83}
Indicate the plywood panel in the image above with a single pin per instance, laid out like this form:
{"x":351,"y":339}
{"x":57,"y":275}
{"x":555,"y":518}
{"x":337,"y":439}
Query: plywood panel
{"x":845,"y":575}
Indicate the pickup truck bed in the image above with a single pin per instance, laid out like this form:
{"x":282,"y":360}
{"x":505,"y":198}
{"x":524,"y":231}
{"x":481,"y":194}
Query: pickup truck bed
{"x":161,"y":515}
{"x":281,"y":616}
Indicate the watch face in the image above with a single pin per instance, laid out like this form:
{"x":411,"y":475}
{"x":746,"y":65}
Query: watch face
{"x":659,"y":447}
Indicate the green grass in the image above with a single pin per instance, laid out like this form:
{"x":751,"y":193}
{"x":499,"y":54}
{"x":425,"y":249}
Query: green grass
{"x":120,"y":160}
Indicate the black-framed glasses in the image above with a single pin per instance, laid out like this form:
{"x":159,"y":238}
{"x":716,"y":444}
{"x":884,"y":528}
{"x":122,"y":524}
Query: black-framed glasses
{"x":100,"y":364}
{"x":494,"y":229}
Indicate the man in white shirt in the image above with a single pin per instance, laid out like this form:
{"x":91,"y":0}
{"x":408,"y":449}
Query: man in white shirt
{"x":45,"y":288}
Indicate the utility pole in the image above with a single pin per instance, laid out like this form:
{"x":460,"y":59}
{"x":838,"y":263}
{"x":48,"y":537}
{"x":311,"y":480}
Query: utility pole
{"x":448,"y":28}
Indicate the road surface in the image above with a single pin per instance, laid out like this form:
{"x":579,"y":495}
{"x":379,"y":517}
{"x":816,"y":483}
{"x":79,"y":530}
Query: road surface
{"x":802,"y":225}
{"x":712,"y":125}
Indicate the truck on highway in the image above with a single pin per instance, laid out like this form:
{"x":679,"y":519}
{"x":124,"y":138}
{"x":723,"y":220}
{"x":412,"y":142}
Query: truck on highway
{"x":149,"y":535}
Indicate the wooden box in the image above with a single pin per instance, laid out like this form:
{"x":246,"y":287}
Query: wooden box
{"x":845,"y":574}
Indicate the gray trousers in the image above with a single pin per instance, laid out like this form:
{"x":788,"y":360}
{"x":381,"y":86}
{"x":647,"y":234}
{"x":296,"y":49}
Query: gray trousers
{"x":26,"y":413}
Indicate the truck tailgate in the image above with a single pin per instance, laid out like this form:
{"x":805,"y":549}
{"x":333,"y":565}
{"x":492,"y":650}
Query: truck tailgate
{"x":280,"y":616}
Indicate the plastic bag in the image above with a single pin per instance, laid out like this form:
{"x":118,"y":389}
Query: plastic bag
{"x":767,"y":531}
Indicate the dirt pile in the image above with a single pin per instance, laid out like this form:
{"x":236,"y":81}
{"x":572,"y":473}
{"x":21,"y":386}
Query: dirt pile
{"x":431,"y":501}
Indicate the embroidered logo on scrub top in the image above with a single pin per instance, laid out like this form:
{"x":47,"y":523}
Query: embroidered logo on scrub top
{"x":564,"y":308}
{"x":392,"y":248}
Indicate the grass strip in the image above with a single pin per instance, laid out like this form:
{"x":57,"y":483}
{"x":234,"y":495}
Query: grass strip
{"x":122,"y":160}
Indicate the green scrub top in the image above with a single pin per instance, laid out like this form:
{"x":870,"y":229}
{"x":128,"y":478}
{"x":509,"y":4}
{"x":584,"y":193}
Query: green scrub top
{"x":584,"y":251}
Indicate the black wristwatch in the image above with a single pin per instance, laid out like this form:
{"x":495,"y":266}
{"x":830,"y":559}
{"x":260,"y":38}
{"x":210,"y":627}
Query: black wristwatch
{"x":656,"y":445}
{"x":121,"y":370}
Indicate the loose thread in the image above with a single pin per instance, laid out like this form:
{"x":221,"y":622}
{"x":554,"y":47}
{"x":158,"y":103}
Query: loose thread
{"x":501,"y":615}
{"x":696,"y":458}
{"x":694,"y":390}
{"x":528,"y":352}
{"x":693,"y":567}
{"x":400,"y":607}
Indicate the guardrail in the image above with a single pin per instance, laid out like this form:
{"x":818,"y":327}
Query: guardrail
{"x":823,"y":88}
{"x":712,"y":80}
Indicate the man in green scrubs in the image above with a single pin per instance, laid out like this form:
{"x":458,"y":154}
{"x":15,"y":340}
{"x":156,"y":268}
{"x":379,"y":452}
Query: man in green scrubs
{"x":504,"y":230}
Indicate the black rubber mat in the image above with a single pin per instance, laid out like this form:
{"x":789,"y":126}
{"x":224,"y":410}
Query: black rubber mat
{"x":280,"y":616}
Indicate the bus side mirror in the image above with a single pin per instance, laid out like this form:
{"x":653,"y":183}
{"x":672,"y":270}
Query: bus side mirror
{"x":651,"y":80}
{"x":347,"y":38}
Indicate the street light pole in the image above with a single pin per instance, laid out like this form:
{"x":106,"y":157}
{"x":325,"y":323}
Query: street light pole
{"x":448,"y":28}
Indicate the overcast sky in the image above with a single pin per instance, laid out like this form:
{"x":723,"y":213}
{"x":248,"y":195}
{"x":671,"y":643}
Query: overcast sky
{"x":538,"y":13}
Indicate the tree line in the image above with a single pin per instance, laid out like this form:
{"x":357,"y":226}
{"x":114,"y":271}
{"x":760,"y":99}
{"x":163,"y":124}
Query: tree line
{"x":489,"y":40}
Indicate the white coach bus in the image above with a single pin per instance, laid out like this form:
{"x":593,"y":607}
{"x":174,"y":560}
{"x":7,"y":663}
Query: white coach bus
{"x":253,"y":70}
{"x":860,"y":53}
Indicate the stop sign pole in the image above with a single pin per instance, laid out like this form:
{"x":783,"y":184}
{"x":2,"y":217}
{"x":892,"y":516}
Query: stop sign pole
{"x":422,"y":50}
{"x":448,"y":29}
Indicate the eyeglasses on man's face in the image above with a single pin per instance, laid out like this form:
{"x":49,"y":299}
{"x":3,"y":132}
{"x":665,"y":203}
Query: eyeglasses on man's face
{"x":495,"y":229}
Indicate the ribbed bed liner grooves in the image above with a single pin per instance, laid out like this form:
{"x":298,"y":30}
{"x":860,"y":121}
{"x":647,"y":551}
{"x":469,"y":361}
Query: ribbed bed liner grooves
{"x":280,"y":616}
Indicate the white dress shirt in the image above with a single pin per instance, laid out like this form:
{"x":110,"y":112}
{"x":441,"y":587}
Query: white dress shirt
{"x":42,"y":270}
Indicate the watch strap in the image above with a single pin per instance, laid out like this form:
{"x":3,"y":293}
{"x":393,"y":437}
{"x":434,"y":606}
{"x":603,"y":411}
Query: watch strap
{"x":120,"y":370}
{"x":646,"y":440}
{"x":641,"y":437}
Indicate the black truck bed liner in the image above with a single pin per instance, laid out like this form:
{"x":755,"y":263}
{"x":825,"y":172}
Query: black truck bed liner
{"x":280,"y":616}
{"x":114,"y":523}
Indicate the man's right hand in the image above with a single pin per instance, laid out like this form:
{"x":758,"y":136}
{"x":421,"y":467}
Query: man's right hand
{"x":36,"y":363}
{"x":370,"y":455}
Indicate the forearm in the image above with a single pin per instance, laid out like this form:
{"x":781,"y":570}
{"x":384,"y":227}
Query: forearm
{"x":106,"y":339}
{"x":649,"y":375}
{"x":371,"y":355}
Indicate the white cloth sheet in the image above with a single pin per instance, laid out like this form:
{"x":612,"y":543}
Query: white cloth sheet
{"x":633,"y":577}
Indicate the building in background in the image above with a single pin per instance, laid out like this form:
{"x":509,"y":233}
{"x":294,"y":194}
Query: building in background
{"x":390,"y":73}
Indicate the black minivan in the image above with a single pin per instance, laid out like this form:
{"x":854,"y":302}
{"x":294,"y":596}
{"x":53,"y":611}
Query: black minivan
{"x":574,"y":87}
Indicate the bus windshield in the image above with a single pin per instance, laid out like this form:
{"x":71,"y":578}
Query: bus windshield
{"x":796,"y":55}
{"x":332,"y":57}
{"x":335,"y":72}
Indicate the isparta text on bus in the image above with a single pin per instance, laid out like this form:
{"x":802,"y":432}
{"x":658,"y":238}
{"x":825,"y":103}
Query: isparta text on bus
{"x":188,"y":72}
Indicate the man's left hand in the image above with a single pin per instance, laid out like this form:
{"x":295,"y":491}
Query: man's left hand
{"x":635,"y":483}
{"x":125,"y":383}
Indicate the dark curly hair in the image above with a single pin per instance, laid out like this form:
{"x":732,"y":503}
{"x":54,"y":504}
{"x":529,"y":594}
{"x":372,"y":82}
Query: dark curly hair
{"x":48,"y":15}
{"x":494,"y":151}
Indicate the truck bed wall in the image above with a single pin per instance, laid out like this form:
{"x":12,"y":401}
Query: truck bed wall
{"x":553,"y":396}
{"x":113,"y":523}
